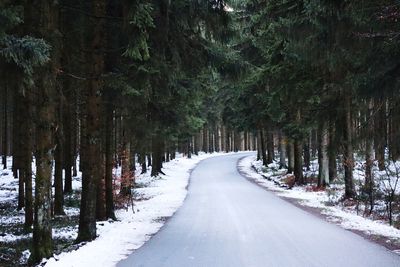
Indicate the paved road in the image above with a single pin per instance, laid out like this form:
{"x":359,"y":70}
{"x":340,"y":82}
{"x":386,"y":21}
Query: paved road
{"x":228,"y":221}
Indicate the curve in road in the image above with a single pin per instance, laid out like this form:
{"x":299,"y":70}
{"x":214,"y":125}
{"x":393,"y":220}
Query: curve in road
{"x":228,"y":221}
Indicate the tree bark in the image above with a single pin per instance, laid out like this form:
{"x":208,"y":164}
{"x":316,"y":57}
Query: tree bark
{"x":290,"y":155}
{"x":262,"y":147}
{"x":282,"y":150}
{"x":93,"y":161}
{"x":348,"y":148}
{"x":369,"y":161}
{"x":332,"y":151}
{"x":307,"y":156}
{"x":58,"y":158}
{"x":380,"y":132}
{"x":298,"y":162}
{"x":5,"y":130}
{"x":323,"y":173}
{"x":110,"y":213}
{"x":270,"y":146}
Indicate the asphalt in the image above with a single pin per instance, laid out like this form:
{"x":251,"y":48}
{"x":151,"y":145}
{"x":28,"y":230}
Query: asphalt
{"x":228,"y":221}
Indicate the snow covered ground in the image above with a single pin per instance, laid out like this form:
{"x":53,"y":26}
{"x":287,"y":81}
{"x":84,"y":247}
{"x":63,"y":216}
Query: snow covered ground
{"x":159,"y":198}
{"x":162,"y":197}
{"x":326,"y":201}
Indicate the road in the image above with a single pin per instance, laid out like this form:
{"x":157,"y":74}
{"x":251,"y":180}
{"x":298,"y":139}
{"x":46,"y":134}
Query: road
{"x":228,"y":221}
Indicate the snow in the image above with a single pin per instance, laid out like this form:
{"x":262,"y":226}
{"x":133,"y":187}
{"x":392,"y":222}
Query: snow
{"x":162,"y":196}
{"x":323,"y":200}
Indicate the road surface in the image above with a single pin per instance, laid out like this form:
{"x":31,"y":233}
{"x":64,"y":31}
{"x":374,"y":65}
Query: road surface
{"x":229,"y":221}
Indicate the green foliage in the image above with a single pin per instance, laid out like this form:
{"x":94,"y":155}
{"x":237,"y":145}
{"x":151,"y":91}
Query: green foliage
{"x":26,"y":52}
{"x":139,"y":22}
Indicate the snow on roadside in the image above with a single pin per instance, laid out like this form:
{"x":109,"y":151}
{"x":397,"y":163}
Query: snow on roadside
{"x":320,"y":199}
{"x":163,"y":196}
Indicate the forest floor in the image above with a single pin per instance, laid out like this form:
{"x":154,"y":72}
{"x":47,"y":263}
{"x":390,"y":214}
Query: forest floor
{"x":155,"y":199}
{"x":326,"y":202}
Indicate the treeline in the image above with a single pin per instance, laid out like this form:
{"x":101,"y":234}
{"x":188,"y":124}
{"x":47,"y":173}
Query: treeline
{"x":91,"y":85}
{"x":322,"y":81}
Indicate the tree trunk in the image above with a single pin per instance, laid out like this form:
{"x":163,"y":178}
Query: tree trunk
{"x":332,"y":150}
{"x":323,"y":173}
{"x":157,"y":156}
{"x":290,"y":154}
{"x":298,"y":163}
{"x":67,"y":148}
{"x":314,"y":143}
{"x":126,"y":174}
{"x":95,"y":37}
{"x":270,"y":146}
{"x":369,"y":161}
{"x":5,"y":130}
{"x":100,"y":198}
{"x":205,"y":138}
{"x":282,"y":150}
{"x":380,"y":132}
{"x":58,"y":158}
{"x":109,"y":163}
{"x":307,"y":156}
{"x":58,"y":176}
{"x":394,"y":132}
{"x":262,"y":147}
{"x":348,"y":148}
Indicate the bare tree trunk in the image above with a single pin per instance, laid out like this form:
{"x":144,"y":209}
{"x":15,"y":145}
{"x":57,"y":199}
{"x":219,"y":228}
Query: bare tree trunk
{"x":298,"y":163}
{"x":109,"y":163}
{"x":348,"y":149}
{"x":47,"y":13}
{"x":323,"y":173}
{"x":307,"y":156}
{"x":282,"y":150}
{"x":332,"y":150}
{"x":290,"y":154}
{"x":5,"y":130}
{"x":58,"y":158}
{"x":262,"y":146}
{"x":270,"y":146}
{"x":369,"y":161}
{"x":205,"y":139}
{"x":93,"y":160}
{"x":100,"y":198}
{"x":380,"y":132}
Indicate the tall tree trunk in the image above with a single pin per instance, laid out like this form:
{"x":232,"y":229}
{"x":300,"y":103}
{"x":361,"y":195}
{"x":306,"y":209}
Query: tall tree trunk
{"x":100,"y":198}
{"x":109,"y":163}
{"x":380,"y":132}
{"x":394,"y":132}
{"x":47,"y":13}
{"x":262,"y":147}
{"x":332,"y":150}
{"x":5,"y":130}
{"x":205,"y":139}
{"x":314,"y":143}
{"x":307,"y":156}
{"x":58,"y":158}
{"x":157,"y":156}
{"x":95,"y":37}
{"x":68,"y":154}
{"x":323,"y":173}
{"x":270,"y":146}
{"x":282,"y":150}
{"x":290,"y":155}
{"x":369,"y":161}
{"x":126,"y":174}
{"x":348,"y":148}
{"x":298,"y":163}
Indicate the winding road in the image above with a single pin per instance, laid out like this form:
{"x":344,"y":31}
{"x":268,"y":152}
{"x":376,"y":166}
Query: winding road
{"x":227,"y":221}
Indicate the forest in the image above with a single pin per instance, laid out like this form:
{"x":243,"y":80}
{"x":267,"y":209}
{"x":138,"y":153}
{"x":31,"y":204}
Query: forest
{"x":98,"y":85}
